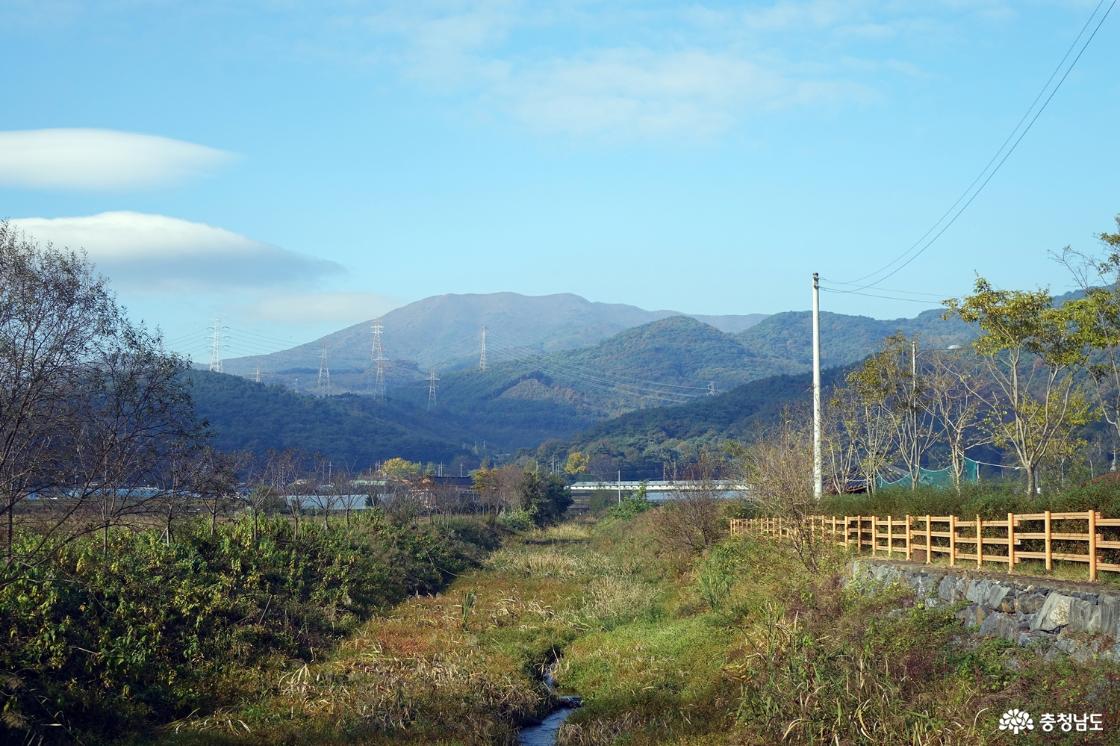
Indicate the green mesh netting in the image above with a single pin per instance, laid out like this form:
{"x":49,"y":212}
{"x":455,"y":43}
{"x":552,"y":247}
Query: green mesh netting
{"x":935,"y":477}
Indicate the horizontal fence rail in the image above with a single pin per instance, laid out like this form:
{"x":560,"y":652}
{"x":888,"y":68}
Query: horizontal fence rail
{"x":1072,"y":537}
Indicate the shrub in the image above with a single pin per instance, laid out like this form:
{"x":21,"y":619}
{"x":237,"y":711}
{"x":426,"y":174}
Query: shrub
{"x":632,"y":505}
{"x":516,"y":520}
{"x":103,"y":643}
{"x":690,"y":524}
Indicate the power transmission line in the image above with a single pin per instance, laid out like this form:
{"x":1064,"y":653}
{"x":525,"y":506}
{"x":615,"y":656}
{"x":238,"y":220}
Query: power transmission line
{"x":998,"y":159}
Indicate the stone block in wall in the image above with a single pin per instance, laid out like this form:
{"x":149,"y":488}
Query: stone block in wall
{"x":1029,"y":603}
{"x":1053,"y":614}
{"x":1002,"y":625}
{"x":947,"y":589}
{"x":1101,"y":617}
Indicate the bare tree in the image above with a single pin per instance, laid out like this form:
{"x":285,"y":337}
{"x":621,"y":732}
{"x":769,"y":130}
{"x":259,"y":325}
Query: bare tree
{"x":214,"y":481}
{"x":324,"y":492}
{"x":957,"y":407}
{"x":841,"y":428}
{"x":90,"y":404}
{"x":895,"y":401}
{"x":872,"y":430}
{"x":691,"y":523}
{"x":270,"y":481}
{"x":777,"y":469}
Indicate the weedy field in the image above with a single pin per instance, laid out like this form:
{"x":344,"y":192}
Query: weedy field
{"x":736,"y":644}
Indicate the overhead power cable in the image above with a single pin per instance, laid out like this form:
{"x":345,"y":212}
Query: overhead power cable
{"x":1010,"y":144}
{"x":924,"y":302}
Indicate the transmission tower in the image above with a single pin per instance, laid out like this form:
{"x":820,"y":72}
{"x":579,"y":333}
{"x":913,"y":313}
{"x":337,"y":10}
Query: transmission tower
{"x":378,"y":362}
{"x":257,"y":375}
{"x":433,"y":381}
{"x":324,"y":383}
{"x":711,"y":388}
{"x":482,"y":355}
{"x":216,"y":346}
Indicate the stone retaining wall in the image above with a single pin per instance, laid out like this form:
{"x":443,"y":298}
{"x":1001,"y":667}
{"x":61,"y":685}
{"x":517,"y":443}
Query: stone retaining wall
{"x":1062,"y":618}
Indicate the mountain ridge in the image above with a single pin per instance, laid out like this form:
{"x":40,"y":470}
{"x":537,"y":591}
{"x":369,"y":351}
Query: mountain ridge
{"x":445,"y":329}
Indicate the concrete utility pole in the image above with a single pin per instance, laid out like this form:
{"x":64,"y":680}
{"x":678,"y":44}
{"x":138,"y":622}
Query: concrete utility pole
{"x":482,"y":354}
{"x":817,"y":468}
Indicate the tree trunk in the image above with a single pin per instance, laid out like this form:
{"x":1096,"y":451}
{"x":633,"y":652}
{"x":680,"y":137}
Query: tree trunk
{"x":1032,"y":478}
{"x":11,"y":529}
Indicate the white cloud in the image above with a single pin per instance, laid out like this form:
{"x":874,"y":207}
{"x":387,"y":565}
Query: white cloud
{"x":155,"y":252}
{"x":341,"y":307}
{"x":680,"y":71}
{"x":100,"y":159}
{"x":640,"y":92}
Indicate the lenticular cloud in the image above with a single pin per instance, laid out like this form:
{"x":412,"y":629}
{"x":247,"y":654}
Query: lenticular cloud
{"x":100,"y":159}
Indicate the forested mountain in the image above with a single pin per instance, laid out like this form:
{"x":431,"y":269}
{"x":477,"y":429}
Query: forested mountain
{"x":359,"y":430}
{"x":541,"y":384}
{"x":443,"y":329}
{"x":653,"y":437}
{"x":668,"y":361}
{"x":846,"y":339}
{"x":523,"y":400}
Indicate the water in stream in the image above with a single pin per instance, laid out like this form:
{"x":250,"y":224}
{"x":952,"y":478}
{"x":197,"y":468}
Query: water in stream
{"x":545,"y":732}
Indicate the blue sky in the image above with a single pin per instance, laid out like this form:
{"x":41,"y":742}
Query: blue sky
{"x":296,"y":166}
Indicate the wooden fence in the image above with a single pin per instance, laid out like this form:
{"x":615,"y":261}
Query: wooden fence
{"x":1083,"y":537}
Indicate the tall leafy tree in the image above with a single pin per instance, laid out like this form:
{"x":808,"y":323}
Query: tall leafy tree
{"x":1099,"y":278}
{"x":1031,"y":351}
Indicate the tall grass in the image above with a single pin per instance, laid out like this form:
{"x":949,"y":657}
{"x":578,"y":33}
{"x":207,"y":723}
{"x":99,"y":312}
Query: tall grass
{"x":100,"y":644}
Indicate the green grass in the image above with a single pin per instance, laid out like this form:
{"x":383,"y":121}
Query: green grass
{"x":739,"y":645}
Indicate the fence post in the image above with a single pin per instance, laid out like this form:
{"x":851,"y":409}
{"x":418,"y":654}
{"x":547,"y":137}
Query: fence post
{"x":1010,"y":543}
{"x":874,"y":535}
{"x":1049,"y":548}
{"x":847,"y":531}
{"x":908,"y":550}
{"x":952,"y":541}
{"x":979,"y":542}
{"x":929,"y":539}
{"x":890,"y":537}
{"x":1092,"y":545}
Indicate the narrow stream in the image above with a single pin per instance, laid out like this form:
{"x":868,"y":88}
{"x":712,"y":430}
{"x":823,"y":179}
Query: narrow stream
{"x":545,"y":732}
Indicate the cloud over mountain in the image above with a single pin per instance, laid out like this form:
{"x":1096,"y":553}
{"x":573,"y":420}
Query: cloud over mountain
{"x":153,"y":252}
